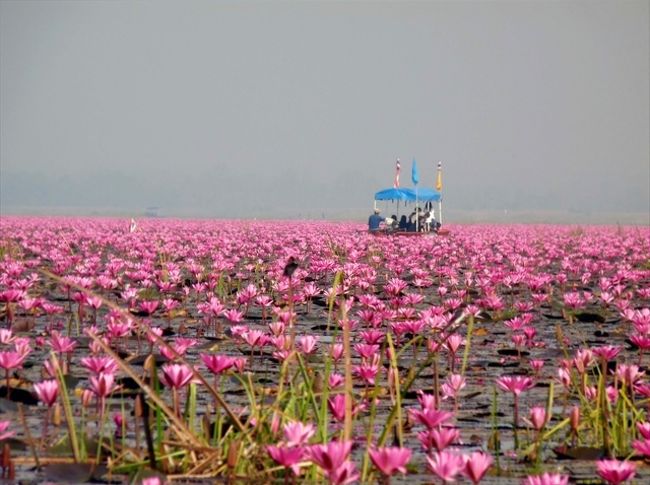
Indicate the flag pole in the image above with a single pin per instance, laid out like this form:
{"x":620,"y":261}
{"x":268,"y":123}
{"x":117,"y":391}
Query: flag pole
{"x":398,"y":166}
{"x":417,"y":218}
{"x":439,"y":189}
{"x":415,"y":178}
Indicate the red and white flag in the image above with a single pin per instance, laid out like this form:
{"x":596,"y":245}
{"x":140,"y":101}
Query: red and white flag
{"x":397,"y":167}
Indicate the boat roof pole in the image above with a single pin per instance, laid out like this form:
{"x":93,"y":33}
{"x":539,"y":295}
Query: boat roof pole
{"x":417,"y":216}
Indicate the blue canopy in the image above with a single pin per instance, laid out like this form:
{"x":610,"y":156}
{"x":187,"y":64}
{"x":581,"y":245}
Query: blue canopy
{"x":424,"y":194}
{"x":393,"y":194}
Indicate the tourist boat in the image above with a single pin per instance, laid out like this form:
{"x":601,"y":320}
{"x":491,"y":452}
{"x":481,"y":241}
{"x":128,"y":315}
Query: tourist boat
{"x":425,"y":196}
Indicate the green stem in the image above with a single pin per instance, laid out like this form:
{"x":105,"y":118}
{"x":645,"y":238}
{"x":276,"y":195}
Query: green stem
{"x":515,"y":423}
{"x":398,"y":394}
{"x":67,"y":408}
{"x":604,"y":408}
{"x":470,"y":330}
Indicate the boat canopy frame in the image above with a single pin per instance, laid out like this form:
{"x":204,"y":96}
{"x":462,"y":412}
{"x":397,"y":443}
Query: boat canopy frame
{"x":423,"y":194}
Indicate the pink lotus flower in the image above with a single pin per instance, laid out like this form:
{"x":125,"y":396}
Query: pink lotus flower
{"x":118,"y":329}
{"x":149,"y":306}
{"x":366,"y":372}
{"x":4,"y":434}
{"x":11,"y":295}
{"x":307,"y":344}
{"x":102,"y":384}
{"x":564,"y":378}
{"x":454,"y":342}
{"x":427,"y":401}
{"x":573,"y":300}
{"x":642,"y":447}
{"x":515,"y":384}
{"x":11,"y":360}
{"x":213,"y":307}
{"x":537,"y":417}
{"x":331,"y":456}
{"x":536,"y":365}
{"x":217,"y":364}
{"x":233,"y":315}
{"x":336,"y":351}
{"x":170,"y":304}
{"x":372,"y":337}
{"x":366,"y":351}
{"x":255,"y":338}
{"x":176,"y":376}
{"x":94,"y":302}
{"x":346,"y":473}
{"x":442,"y":437}
{"x":644,"y":429}
{"x":641,"y":341}
{"x":239,"y":363}
{"x":336,"y":405}
{"x":297,"y":433}
{"x":264,"y":301}
{"x":277,"y":328}
{"x":615,"y":471}
{"x":153,"y":481}
{"x":446,"y":465}
{"x":390,"y":459}
{"x":21,"y":346}
{"x":452,"y":386}
{"x":100,"y":364}
{"x":429,"y":417}
{"x":287,"y":456}
{"x":607,"y":352}
{"x":335,"y":380}
{"x":477,"y":466}
{"x":546,"y":479}
{"x":629,"y":374}
{"x":6,"y":336}
{"x":152,"y":333}
{"x":583,"y":360}
{"x":129,"y":295}
{"x":47,"y":391}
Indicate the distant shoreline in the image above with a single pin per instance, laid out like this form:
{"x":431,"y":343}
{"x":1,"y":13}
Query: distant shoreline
{"x":354,"y":215}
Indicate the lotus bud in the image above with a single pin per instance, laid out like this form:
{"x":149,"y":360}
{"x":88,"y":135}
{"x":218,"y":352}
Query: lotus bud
{"x":275,"y":423}
{"x":56,"y":415}
{"x":150,"y":363}
{"x":137,"y":410}
{"x":233,"y":453}
{"x":86,"y":397}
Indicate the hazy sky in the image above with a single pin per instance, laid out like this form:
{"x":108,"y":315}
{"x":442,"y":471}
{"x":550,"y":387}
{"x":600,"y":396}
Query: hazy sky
{"x":284,"y":108}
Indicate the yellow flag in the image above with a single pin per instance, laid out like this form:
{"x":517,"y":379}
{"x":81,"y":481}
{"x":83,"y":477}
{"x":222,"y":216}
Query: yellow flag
{"x":439,"y":177}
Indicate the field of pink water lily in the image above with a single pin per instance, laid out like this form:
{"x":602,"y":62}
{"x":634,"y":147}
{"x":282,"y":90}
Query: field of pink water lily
{"x":305,"y":352}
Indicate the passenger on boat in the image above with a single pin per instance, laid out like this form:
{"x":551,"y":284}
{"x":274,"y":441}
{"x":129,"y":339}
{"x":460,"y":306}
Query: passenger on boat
{"x":431,"y":224}
{"x":374,"y":221}
{"x":412,"y":219}
{"x":391,"y":223}
{"x":426,"y":221}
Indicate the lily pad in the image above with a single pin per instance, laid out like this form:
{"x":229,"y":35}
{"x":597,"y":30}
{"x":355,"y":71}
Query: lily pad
{"x":589,"y":317}
{"x":578,"y":453}
{"x":140,"y":359}
{"x":19,"y":395}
